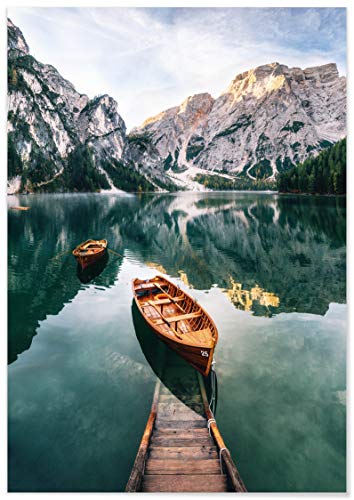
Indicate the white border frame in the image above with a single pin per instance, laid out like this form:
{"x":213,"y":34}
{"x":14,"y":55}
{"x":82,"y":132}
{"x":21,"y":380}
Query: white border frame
{"x":3,"y":212}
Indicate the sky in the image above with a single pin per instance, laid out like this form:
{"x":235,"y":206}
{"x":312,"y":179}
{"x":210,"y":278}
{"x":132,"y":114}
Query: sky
{"x":150,"y":59}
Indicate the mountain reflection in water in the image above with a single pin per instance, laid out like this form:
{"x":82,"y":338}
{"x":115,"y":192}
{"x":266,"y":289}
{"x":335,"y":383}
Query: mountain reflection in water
{"x":261,"y":302}
{"x":293,"y":251}
{"x":81,"y":377}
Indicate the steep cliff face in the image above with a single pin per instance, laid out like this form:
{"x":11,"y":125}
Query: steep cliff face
{"x":172,"y":136}
{"x":16,"y":42}
{"x":60,"y":139}
{"x":267,"y":119}
{"x":172,"y":130}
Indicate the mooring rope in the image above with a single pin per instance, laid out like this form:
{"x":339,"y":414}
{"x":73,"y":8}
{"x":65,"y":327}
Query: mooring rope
{"x":210,"y":421}
{"x":213,"y":385}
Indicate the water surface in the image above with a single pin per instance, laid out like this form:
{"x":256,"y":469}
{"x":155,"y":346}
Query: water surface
{"x":270,"y":270}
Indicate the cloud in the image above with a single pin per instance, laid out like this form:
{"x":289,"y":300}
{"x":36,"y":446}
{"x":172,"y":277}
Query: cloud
{"x":151,"y":59}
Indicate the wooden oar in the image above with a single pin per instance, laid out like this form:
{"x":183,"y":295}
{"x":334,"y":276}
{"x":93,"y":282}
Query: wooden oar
{"x":68,"y":251}
{"x":166,"y":320}
{"x":60,"y":255}
{"x":170,"y":297}
{"x":115,"y":253}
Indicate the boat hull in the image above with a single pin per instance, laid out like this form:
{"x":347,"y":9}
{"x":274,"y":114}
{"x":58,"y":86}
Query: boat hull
{"x":91,"y":271}
{"x":89,"y":260}
{"x":199,"y":354}
{"x":199,"y":357}
{"x":90,"y":252}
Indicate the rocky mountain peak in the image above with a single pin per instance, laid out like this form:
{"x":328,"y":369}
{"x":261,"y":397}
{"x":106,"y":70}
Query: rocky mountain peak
{"x":197,"y":103}
{"x":160,"y":116}
{"x":268,"y":119}
{"x":192,"y":107}
{"x":270,"y":77}
{"x":259,"y":72}
{"x":101,"y":116}
{"x":60,"y":139}
{"x":17,"y":45}
{"x":259,"y":80}
{"x":325,"y":73}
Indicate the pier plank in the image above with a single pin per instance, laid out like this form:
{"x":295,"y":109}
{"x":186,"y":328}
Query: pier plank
{"x":202,"y":466}
{"x":181,"y":424}
{"x":178,"y":441}
{"x":173,"y":412}
{"x":183,"y":434}
{"x":187,"y":483}
{"x":169,"y":398}
{"x":183,"y":452}
{"x":178,"y":452}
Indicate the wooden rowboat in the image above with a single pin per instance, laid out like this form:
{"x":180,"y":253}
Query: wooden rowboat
{"x":178,"y":320}
{"x":89,"y":252}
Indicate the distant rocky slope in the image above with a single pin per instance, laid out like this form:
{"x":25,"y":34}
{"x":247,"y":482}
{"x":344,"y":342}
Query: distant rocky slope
{"x":59,"y":139}
{"x":267,"y":120}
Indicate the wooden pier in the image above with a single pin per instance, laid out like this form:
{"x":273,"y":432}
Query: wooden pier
{"x":182,"y":449}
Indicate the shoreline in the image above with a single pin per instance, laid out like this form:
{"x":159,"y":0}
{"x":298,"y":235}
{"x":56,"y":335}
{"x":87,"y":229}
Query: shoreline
{"x":312,"y":194}
{"x":132,"y":193}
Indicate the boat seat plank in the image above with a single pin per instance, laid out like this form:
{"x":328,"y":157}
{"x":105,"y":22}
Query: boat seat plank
{"x":180,"y":317}
{"x":158,"y":322}
{"x":173,"y":299}
{"x":146,"y":286}
{"x":165,"y":323}
{"x":160,"y":302}
{"x":201,"y":336}
{"x":194,"y":483}
{"x":177,"y":299}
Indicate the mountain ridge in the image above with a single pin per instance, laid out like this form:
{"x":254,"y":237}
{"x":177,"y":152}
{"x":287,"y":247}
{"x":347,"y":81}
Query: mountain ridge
{"x":257,"y":122}
{"x":49,"y":122}
{"x":268,"y":119}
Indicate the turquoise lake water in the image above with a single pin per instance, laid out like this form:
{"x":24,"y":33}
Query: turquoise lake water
{"x":270,"y":269}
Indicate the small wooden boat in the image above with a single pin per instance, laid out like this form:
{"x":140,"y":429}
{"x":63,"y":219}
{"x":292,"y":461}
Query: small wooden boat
{"x":178,"y":320}
{"x":89,"y":252}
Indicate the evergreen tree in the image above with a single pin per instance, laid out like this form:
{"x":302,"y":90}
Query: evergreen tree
{"x":323,"y":174}
{"x":311,"y":183}
{"x":14,"y":162}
